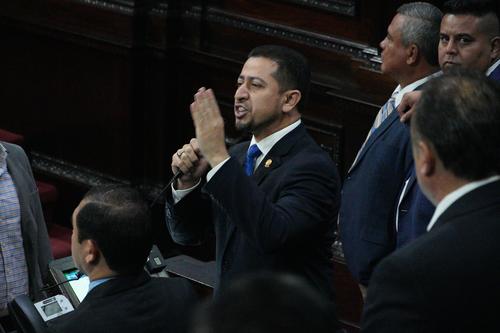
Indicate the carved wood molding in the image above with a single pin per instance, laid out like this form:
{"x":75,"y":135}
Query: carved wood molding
{"x":358,"y":51}
{"x":344,"y":7}
{"x":55,"y":167}
{"x":121,"y":6}
{"x":73,"y":173}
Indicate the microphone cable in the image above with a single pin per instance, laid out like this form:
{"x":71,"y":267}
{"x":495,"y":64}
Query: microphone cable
{"x":78,"y":276}
{"x":173,"y":179}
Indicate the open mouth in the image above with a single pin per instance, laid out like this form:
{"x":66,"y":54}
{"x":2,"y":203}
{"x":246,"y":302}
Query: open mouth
{"x":240,"y":111}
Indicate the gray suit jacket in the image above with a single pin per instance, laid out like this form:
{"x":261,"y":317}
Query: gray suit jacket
{"x":35,"y":238}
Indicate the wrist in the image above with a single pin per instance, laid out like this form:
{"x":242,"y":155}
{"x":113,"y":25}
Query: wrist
{"x":218,"y":158}
{"x":186,"y":184}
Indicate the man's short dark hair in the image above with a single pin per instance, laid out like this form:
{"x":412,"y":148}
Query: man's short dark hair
{"x":117,"y":218}
{"x":293,"y":69}
{"x":476,"y":8}
{"x":459,"y":115}
{"x":267,"y":303}
{"x":422,"y":29}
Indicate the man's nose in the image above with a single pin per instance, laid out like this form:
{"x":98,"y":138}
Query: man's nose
{"x":241,"y":93}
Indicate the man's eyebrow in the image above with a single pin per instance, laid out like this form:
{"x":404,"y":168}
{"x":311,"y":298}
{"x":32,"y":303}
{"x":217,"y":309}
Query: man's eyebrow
{"x":252,"y":78}
{"x":465,"y":35}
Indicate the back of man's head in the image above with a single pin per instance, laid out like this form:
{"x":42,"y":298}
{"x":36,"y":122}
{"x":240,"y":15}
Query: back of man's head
{"x":459,"y":116}
{"x":267,"y":303}
{"x":118,"y":220}
{"x":293,"y":69}
{"x":422,"y":29}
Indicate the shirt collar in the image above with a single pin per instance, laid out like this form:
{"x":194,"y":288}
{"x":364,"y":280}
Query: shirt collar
{"x":449,"y":199}
{"x":95,"y":283}
{"x":493,"y":67}
{"x":266,"y":144}
{"x":400,"y":92}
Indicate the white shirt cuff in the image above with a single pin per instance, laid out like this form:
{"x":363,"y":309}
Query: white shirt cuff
{"x":177,"y":195}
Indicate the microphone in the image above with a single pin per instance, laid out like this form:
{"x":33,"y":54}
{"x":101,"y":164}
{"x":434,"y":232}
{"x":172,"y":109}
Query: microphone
{"x":173,"y":179}
{"x":78,"y":276}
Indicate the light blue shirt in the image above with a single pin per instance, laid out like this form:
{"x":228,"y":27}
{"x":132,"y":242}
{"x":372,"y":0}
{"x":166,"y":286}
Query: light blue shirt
{"x":98,"y":282}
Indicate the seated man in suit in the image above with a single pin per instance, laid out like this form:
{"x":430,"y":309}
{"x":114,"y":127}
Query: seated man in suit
{"x":111,"y":240}
{"x":274,"y":198}
{"x":470,"y":38}
{"x":447,"y":279}
{"x":24,"y":243}
{"x":266,"y":303}
{"x":370,"y":191}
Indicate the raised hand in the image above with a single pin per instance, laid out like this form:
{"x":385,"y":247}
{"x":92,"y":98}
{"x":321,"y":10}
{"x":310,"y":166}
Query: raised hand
{"x":209,"y":126}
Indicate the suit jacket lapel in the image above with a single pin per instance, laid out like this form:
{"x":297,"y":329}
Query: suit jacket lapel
{"x":411,"y":182}
{"x":273,"y":159}
{"x":495,"y":75}
{"x":376,"y":134}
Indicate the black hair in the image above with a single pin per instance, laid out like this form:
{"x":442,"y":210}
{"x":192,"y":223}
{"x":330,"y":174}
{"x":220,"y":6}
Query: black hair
{"x":117,"y":218}
{"x":293,"y":69}
{"x":477,"y":8}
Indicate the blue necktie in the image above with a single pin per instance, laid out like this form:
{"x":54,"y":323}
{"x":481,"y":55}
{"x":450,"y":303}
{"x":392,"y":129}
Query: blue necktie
{"x":252,"y":153}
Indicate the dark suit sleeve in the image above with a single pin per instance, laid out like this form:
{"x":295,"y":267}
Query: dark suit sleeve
{"x":299,"y":203}
{"x":395,"y":301}
{"x":189,"y":220}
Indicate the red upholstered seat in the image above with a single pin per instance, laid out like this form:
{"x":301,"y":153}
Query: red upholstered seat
{"x":60,"y":240}
{"x":60,"y":236}
{"x":11,"y":137}
{"x":48,"y":192}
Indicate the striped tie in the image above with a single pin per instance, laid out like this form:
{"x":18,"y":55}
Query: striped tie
{"x":384,"y":112}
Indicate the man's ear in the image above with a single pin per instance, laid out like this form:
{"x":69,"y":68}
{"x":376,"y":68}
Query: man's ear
{"x":412,"y":54}
{"x":91,"y":252}
{"x":495,"y":48}
{"x":426,"y":159}
{"x":291,"y":99}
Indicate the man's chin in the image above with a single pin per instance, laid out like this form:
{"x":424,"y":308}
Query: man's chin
{"x":449,"y":65}
{"x":242,"y":126}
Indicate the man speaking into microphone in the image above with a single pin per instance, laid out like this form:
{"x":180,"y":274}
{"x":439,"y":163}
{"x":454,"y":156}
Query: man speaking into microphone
{"x":273,"y":200}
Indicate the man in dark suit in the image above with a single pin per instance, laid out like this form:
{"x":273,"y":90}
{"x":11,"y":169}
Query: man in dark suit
{"x":111,"y":240}
{"x":370,"y":191}
{"x":470,"y":38}
{"x":25,"y":245}
{"x":273,"y":210}
{"x":447,"y":280}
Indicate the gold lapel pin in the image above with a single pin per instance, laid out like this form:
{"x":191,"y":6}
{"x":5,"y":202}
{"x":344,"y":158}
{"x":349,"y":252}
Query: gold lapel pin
{"x":268,"y":163}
